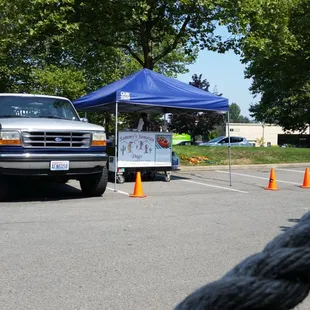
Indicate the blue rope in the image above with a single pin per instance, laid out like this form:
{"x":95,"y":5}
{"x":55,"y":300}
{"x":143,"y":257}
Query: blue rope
{"x":278,"y":278}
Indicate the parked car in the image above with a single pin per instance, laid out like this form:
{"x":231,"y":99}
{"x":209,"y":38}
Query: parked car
{"x":223,"y":141}
{"x":43,"y":137}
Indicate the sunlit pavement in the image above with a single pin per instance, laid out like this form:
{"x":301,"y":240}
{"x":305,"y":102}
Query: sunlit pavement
{"x":60,"y":250}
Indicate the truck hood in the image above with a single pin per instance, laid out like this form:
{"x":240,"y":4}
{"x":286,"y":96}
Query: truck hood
{"x":33,"y":124}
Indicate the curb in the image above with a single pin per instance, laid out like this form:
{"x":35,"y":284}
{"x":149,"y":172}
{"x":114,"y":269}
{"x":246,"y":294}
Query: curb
{"x":184,"y":169}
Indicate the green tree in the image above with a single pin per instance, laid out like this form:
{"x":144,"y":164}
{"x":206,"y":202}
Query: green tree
{"x":159,"y":35}
{"x":235,"y":114}
{"x":67,"y":82}
{"x":13,"y":67}
{"x":151,"y":30}
{"x":244,"y":119}
{"x":100,"y":42}
{"x":52,"y":47}
{"x":195,"y":123}
{"x":74,"y":31}
{"x":275,"y":46}
{"x":198,"y":82}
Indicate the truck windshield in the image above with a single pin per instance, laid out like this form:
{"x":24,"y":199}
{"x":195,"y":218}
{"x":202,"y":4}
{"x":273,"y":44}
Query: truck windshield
{"x":37,"y":107}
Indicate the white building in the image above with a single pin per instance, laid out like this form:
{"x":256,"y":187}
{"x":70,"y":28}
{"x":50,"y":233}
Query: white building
{"x":253,"y":132}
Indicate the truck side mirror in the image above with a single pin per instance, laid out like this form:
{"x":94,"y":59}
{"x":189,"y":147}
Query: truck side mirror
{"x":84,"y":119}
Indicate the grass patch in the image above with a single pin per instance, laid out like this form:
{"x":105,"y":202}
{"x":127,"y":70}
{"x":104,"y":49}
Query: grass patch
{"x":243,"y":155}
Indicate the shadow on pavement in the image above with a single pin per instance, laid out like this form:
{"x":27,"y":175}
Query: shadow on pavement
{"x":43,"y":191}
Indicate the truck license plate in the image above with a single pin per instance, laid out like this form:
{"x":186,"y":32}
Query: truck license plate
{"x":59,"y":165}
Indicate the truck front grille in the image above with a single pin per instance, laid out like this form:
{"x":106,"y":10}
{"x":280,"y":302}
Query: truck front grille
{"x":55,"y":139}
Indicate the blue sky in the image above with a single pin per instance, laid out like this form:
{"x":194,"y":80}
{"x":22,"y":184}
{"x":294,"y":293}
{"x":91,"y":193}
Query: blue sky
{"x":226,"y":72}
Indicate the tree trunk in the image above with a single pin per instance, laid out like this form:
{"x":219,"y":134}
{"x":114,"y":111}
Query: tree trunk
{"x":148,"y":62}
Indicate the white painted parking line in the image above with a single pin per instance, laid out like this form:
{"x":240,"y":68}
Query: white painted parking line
{"x":117,"y":191}
{"x":256,"y":177}
{"x":215,"y":186}
{"x":290,"y":170}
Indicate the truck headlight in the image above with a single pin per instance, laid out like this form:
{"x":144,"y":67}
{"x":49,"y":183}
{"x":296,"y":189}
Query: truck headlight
{"x":99,"y":139}
{"x":9,"y":138}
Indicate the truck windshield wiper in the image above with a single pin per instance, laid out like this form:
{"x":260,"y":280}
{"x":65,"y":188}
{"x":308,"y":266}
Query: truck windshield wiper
{"x":51,"y":116}
{"x":8,"y":116}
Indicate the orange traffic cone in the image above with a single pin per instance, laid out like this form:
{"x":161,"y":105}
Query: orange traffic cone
{"x":272,"y":185}
{"x":138,"y":191}
{"x":306,"y":183}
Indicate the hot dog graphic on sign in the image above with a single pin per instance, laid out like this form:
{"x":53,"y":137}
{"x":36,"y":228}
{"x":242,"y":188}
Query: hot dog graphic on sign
{"x":163,"y":141}
{"x":163,"y":148}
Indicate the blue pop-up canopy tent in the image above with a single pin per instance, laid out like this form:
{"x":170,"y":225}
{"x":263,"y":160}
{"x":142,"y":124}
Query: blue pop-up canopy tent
{"x":151,"y":92}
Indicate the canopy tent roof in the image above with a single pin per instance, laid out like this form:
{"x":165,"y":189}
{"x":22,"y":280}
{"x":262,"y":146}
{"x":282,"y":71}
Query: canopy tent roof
{"x":148,"y":91}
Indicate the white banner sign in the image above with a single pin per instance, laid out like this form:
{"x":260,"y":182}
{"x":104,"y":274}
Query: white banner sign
{"x":144,"y":149}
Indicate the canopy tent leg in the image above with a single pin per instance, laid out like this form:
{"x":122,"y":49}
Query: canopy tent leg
{"x":116,"y":145}
{"x":164,"y":127}
{"x":229,"y":148}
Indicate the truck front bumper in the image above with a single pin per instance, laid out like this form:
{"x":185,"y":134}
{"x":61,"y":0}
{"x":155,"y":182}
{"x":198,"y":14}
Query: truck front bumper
{"x":40,"y":164}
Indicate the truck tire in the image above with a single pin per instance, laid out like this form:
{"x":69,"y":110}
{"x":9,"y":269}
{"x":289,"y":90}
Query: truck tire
{"x":95,"y":184}
{"x":4,"y":188}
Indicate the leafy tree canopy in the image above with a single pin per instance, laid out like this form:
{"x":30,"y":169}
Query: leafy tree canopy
{"x":160,"y":35}
{"x":235,"y":114}
{"x":275,"y":46}
{"x":92,"y":43}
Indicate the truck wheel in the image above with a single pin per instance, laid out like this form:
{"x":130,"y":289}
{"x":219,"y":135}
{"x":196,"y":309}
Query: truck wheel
{"x":4,"y":188}
{"x":95,"y":184}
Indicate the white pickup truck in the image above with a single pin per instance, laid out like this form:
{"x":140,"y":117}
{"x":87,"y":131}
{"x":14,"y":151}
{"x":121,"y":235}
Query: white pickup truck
{"x":44,"y":137}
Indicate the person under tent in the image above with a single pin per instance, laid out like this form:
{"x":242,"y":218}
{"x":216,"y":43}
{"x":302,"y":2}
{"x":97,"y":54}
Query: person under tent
{"x":144,"y":124}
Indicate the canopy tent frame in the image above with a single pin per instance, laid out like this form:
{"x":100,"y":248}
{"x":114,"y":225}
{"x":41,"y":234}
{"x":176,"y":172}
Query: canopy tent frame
{"x":229,"y":147}
{"x":149,"y":92}
{"x":116,"y":147}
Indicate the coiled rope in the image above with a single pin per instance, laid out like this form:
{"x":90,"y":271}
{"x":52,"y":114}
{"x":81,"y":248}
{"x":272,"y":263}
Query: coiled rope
{"x":278,"y":278}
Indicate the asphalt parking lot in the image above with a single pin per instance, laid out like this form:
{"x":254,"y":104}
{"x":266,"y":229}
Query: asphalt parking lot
{"x":62,"y":251}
